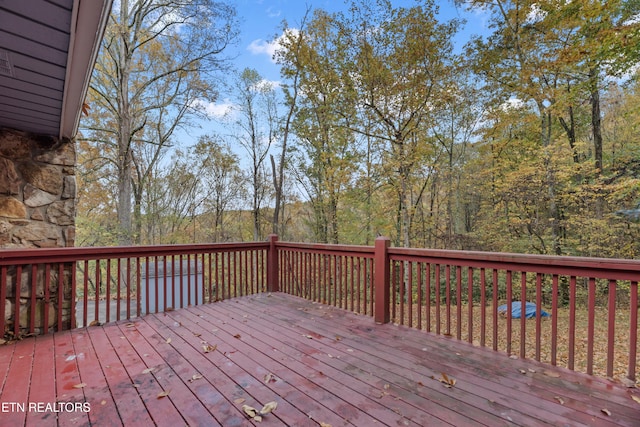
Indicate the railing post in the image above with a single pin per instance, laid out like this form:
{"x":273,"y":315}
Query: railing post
{"x":381,"y":280}
{"x":272,"y":265}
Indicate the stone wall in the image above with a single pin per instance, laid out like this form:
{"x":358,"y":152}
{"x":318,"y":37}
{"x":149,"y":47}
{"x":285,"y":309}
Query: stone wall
{"x":37,"y":191}
{"x":37,"y":210}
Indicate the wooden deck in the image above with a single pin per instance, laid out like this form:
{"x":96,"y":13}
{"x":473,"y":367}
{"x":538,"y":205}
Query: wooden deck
{"x":322,"y":365}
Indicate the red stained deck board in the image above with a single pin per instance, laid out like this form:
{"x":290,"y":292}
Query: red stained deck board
{"x":370,"y":379}
{"x":357,"y":409}
{"x":42,"y":390}
{"x":127,"y":401}
{"x":97,"y":394}
{"x":463,"y":400}
{"x":316,"y":363}
{"x":330,"y":366}
{"x":161,"y":409}
{"x":68,"y":389}
{"x":16,"y":387}
{"x":393,"y":386}
{"x":251,"y":385}
{"x":187,"y":362}
{"x":169,"y":374}
{"x":365,"y":336}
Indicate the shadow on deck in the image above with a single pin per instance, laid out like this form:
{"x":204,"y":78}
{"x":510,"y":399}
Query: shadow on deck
{"x":322,"y":365}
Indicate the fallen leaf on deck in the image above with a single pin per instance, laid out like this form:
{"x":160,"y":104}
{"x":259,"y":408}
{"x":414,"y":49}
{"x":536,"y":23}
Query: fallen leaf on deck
{"x":606,"y":411}
{"x":168,"y":341}
{"x":104,"y":402}
{"x":237,"y":336}
{"x":81,"y":385}
{"x":250,"y":411}
{"x":257,"y":419}
{"x":197,"y":334}
{"x":448,"y":382}
{"x":209,"y":348}
{"x":130,"y":325}
{"x":269,"y":378}
{"x":195,"y":377}
{"x":95,"y":323}
{"x":338,"y":337}
{"x":522,"y":371}
{"x":240,"y":400}
{"x":552,"y":374}
{"x":163,"y":394}
{"x":636,"y":398}
{"x":325,"y":425}
{"x":559,"y":399}
{"x":168,"y":309}
{"x":308,"y":336}
{"x":386,"y":387}
{"x":268,"y":407}
{"x":146,"y":371}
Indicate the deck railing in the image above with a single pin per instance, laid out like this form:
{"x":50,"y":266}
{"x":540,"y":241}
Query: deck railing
{"x":54,"y":289}
{"x":593,"y":303}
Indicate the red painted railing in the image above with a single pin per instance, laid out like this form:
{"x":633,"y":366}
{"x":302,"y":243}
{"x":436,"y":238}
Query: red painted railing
{"x":54,"y":289}
{"x":593,"y":303}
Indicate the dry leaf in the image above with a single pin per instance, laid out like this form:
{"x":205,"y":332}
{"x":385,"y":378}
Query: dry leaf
{"x":163,"y":394}
{"x":552,"y":374}
{"x":250,"y":411}
{"x":95,"y":323}
{"x":636,"y":398}
{"x":197,"y":334}
{"x":386,"y":387}
{"x":448,"y":382}
{"x":130,"y":325}
{"x":195,"y":377}
{"x":606,"y":412}
{"x":168,"y":341}
{"x":237,"y":336}
{"x":269,"y":378}
{"x":559,"y":399}
{"x":522,"y":371}
{"x":104,"y":402}
{"x":146,"y":371}
{"x":308,"y":336}
{"x":268,"y":407}
{"x":325,"y":425}
{"x":239,"y":400}
{"x":209,"y":348}
{"x":81,"y":385}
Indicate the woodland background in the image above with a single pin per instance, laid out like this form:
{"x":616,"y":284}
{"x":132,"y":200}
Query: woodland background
{"x":527,"y":140}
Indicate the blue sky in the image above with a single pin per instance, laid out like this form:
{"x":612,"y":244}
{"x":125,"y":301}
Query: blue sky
{"x":262,"y":19}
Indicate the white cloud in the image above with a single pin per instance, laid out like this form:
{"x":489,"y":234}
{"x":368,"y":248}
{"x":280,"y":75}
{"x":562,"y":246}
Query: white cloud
{"x":214,"y":110}
{"x":259,"y":46}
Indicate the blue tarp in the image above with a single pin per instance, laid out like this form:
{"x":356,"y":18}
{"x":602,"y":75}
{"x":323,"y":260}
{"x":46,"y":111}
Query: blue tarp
{"x":516,"y":310}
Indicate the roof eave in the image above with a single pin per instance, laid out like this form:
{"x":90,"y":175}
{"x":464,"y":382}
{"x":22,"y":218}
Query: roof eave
{"x":88,"y":24}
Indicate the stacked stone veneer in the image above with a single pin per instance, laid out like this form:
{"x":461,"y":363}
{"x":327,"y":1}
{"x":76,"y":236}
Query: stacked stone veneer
{"x":37,"y":210}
